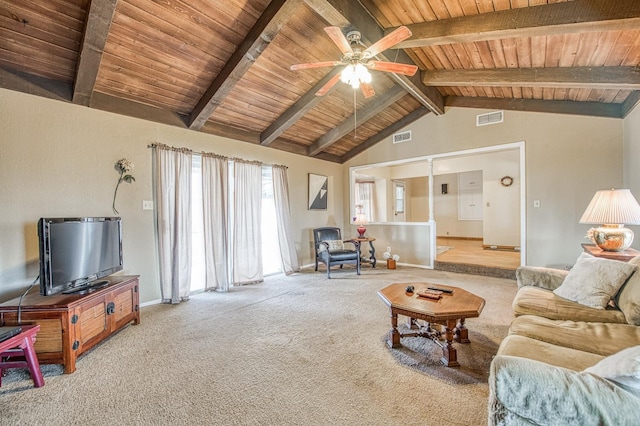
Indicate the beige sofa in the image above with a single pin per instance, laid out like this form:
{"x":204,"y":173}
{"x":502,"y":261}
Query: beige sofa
{"x":538,"y":376}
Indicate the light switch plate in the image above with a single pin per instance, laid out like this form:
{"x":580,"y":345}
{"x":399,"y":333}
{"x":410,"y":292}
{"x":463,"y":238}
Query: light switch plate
{"x":536,"y":203}
{"x":147,"y":205}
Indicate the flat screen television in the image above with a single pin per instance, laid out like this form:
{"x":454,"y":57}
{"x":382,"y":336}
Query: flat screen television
{"x":76,"y":252}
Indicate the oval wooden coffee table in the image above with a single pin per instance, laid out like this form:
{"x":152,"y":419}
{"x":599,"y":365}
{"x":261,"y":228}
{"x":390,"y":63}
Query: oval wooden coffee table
{"x":450,"y":310}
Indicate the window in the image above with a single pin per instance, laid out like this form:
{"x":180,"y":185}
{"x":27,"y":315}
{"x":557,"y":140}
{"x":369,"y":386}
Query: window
{"x":365,"y":199}
{"x":398,"y":195}
{"x":271,"y":262}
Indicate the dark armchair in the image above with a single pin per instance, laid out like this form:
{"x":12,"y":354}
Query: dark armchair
{"x":332,"y":250}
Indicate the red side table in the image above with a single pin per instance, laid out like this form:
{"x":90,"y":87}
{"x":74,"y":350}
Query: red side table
{"x":14,"y":349}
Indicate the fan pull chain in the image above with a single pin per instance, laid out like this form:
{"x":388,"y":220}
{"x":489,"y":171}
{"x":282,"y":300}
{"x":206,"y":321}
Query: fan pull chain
{"x":355,"y":117}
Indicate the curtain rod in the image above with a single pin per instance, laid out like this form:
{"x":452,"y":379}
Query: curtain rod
{"x":211,"y":154}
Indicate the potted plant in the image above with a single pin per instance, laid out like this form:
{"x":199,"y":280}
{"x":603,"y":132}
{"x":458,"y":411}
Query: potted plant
{"x":390,"y":258}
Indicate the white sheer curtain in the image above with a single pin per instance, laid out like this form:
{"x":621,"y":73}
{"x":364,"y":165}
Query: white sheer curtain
{"x":365,"y":196}
{"x":283,"y":217}
{"x":215,"y":201}
{"x":173,"y":221}
{"x":247,"y":240}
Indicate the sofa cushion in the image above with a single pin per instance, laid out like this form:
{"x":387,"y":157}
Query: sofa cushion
{"x":538,"y":350}
{"x":544,"y":303}
{"x":594,"y":281}
{"x":628,"y":298}
{"x":596,"y":337}
{"x":622,"y":368}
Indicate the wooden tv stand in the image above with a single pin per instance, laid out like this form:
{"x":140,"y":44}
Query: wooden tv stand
{"x":71,"y":324}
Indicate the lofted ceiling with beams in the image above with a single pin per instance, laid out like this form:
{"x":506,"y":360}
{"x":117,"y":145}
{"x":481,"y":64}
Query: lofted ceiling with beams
{"x":223,"y":66}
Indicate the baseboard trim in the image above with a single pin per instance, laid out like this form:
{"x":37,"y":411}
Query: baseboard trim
{"x":501,"y":248}
{"x":460,"y":238}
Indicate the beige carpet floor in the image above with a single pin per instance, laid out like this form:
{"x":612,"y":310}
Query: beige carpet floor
{"x":297,"y":350}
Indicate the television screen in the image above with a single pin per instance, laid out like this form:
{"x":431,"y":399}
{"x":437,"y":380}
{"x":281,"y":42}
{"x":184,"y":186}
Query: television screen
{"x":74,"y":252}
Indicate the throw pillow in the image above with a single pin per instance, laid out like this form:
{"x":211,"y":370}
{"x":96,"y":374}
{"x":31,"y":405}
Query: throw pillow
{"x":628,"y":298}
{"x":593,"y":281}
{"x":622,"y":367}
{"x":334,"y":245}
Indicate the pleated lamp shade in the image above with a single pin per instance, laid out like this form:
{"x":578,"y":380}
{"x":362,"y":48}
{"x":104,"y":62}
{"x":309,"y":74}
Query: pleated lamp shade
{"x":612,"y":208}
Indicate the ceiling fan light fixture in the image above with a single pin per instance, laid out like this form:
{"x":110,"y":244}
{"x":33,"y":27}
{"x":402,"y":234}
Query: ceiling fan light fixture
{"x":354,"y":74}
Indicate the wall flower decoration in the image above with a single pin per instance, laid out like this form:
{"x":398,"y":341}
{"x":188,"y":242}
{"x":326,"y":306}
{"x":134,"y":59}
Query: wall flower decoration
{"x":122,"y":166}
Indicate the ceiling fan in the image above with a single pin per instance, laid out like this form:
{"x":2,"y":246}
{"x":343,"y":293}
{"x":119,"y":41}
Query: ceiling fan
{"x":358,"y":61}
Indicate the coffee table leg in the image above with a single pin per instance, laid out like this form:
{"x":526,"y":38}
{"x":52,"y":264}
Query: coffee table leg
{"x":394,"y":334}
{"x":449,"y":353}
{"x":462,"y":333}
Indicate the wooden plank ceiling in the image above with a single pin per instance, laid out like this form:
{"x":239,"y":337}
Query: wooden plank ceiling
{"x":222,"y":66}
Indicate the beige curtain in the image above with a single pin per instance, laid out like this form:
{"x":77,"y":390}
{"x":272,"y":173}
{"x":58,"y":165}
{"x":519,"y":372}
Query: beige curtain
{"x":173,"y":221}
{"x":283,"y":216}
{"x":247,"y":239}
{"x":215,"y":200}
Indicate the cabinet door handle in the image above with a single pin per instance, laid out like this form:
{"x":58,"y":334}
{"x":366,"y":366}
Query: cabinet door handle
{"x":111,"y":308}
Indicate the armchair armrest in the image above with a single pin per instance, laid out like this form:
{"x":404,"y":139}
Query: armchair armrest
{"x":524,"y":391}
{"x":537,"y":276}
{"x":355,"y":243}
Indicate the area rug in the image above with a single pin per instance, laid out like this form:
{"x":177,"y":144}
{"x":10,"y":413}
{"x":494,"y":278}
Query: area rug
{"x":423,"y":355}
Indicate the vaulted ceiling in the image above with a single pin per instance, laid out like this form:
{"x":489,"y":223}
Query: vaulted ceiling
{"x":223,"y":66}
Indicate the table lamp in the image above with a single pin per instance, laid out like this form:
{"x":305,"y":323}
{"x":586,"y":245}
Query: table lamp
{"x":361,"y":221}
{"x":612,"y":209}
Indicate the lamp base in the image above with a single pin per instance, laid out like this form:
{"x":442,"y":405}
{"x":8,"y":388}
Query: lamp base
{"x":361,"y":230}
{"x":613,"y":237}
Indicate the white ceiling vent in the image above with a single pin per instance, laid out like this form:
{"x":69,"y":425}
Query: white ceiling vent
{"x":489,"y":118}
{"x":402,"y":137}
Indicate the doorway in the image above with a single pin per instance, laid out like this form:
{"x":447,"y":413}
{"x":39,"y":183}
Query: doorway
{"x":479,"y":207}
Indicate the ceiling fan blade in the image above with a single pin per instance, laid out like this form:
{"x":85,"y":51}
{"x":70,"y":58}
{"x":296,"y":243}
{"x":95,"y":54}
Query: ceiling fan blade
{"x":367,"y":90}
{"x":391,"y":39}
{"x":325,"y":89}
{"x":335,"y":33}
{"x":393,"y":67}
{"x":314,"y":65}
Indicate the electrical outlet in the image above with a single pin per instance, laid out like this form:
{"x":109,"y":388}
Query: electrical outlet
{"x":536,"y":203}
{"x":147,"y":205}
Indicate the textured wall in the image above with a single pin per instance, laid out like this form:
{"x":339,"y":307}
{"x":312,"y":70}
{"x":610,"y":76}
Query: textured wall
{"x":632,"y":161}
{"x":58,"y":161}
{"x":568,"y":158}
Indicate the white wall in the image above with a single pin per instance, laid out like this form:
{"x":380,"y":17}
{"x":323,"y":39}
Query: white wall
{"x":446,"y":210}
{"x":58,"y":161}
{"x":568,"y":158}
{"x":632,"y":161}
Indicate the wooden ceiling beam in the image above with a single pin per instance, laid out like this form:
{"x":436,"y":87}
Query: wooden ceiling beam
{"x":373,"y":108}
{"x":275,"y":16}
{"x":134,"y":109}
{"x":594,"y":109}
{"x":307,"y":102}
{"x":94,"y":38}
{"x":616,"y":78}
{"x":351,"y":15}
{"x":570,"y":17}
{"x":630,"y":103}
{"x":34,"y":85}
{"x":395,"y":127}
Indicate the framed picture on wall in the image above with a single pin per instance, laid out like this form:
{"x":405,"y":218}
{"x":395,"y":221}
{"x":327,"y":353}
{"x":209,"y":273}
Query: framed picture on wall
{"x":318,"y":186}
